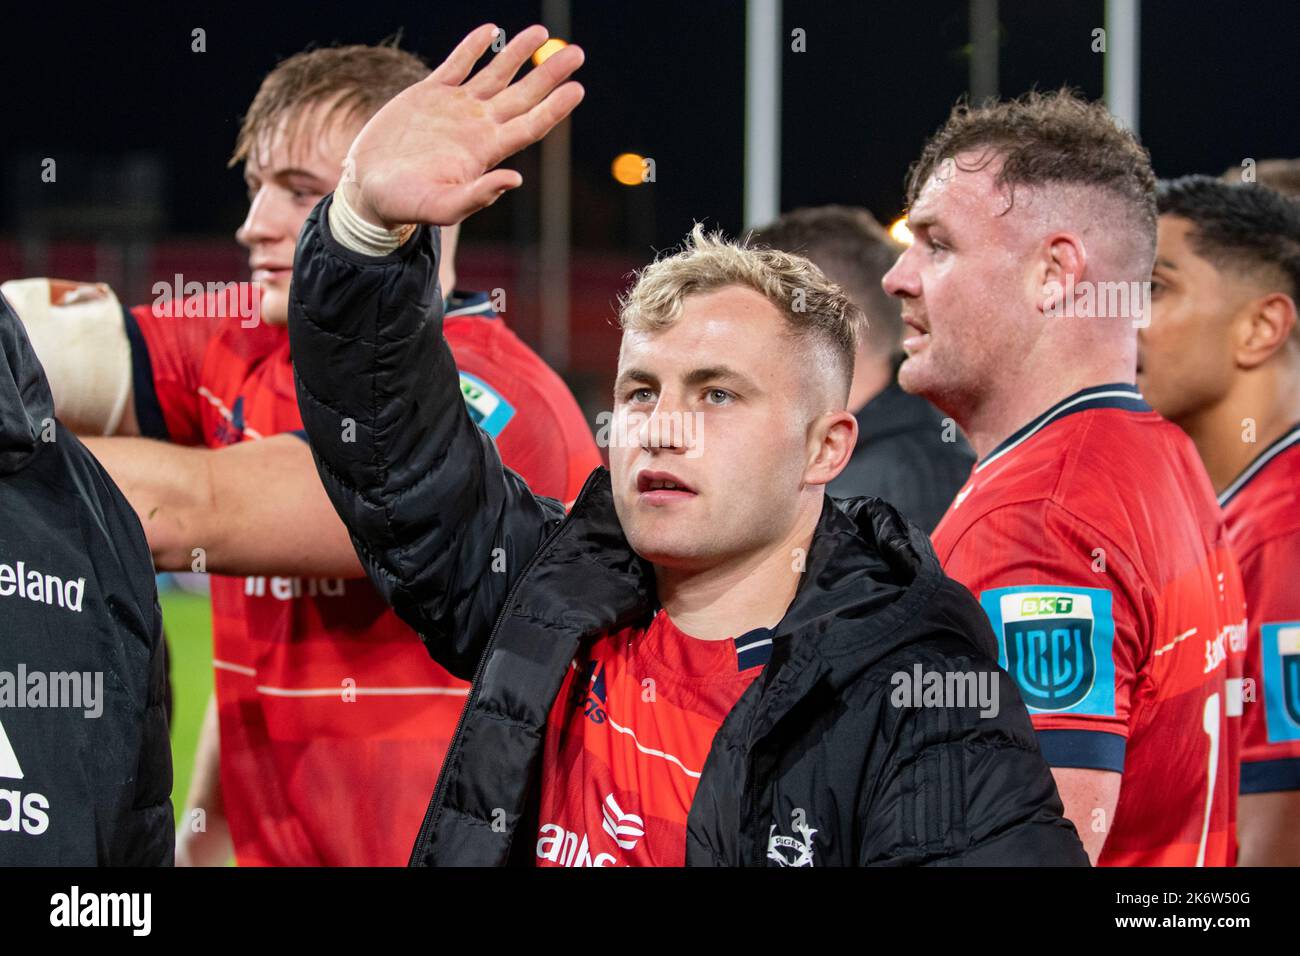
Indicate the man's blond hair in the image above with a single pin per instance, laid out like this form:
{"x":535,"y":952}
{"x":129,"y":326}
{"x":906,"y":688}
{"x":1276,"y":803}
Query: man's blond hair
{"x":356,"y":81}
{"x":816,"y":310}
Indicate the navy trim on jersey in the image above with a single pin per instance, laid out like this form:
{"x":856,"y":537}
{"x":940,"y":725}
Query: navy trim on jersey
{"x":1083,"y":749}
{"x":753,"y":648}
{"x":298,"y":433}
{"x":1291,"y":437}
{"x":1266,"y":776}
{"x":148,"y":410}
{"x":468,"y":303}
{"x":1117,"y":395}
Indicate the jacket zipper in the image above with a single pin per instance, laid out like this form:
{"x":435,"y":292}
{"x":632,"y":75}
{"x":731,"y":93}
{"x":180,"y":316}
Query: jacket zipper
{"x":752,"y":789}
{"x":430,"y":816}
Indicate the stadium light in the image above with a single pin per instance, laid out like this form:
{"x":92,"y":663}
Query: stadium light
{"x":628,"y":169}
{"x":899,"y":232}
{"x":548,"y":49}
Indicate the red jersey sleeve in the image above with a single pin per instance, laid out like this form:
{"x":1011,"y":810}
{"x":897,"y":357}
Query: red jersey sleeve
{"x":1271,"y":693}
{"x":1071,"y":615}
{"x":538,"y":427}
{"x":552,"y":448}
{"x":168,"y":344}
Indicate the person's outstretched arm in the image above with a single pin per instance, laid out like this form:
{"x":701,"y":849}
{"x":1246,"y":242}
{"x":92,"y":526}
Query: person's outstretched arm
{"x":441,"y":527}
{"x":256,"y":507}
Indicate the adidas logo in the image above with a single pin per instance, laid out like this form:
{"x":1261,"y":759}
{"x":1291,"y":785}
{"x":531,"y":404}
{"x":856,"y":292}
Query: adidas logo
{"x":9,"y":765}
{"x":19,"y":812}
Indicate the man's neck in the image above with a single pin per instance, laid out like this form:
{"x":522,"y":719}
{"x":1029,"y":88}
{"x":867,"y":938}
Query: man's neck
{"x":1019,"y":401}
{"x":738,"y":596}
{"x":1260,"y":407}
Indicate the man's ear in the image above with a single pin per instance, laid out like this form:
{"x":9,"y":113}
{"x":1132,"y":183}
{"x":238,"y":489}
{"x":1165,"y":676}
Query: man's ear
{"x":1264,"y":326}
{"x":1061,"y":266}
{"x":831,"y":440}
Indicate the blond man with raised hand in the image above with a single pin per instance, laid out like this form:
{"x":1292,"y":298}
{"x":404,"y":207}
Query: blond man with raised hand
{"x":708,"y":661}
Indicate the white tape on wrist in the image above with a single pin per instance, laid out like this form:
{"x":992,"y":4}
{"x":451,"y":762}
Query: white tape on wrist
{"x":353,"y":232}
{"x":79,"y":336}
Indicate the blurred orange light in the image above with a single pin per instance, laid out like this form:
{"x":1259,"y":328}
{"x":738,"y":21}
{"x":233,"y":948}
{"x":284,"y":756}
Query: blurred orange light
{"x":628,"y":168}
{"x":547,"y":50}
{"x":899,"y":232}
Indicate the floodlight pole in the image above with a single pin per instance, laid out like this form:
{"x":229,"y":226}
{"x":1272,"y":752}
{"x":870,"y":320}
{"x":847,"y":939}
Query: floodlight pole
{"x":983,"y":51}
{"x":1123,"y":18}
{"x":553,"y":253}
{"x":762,"y":111}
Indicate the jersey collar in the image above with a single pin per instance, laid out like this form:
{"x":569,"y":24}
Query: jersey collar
{"x":1117,"y":395}
{"x":1275,"y":448}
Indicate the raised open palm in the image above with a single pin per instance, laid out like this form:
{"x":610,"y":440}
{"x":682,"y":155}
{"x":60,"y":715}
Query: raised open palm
{"x":430,"y":155}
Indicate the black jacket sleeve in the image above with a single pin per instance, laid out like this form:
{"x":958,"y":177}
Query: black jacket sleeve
{"x":963,"y":789}
{"x":440,"y":525}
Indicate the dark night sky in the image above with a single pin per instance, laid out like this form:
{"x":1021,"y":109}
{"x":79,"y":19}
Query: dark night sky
{"x":664,"y":79}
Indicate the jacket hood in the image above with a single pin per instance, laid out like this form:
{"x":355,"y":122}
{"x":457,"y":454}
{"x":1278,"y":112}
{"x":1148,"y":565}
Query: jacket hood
{"x":25,"y":398}
{"x":867,"y":560}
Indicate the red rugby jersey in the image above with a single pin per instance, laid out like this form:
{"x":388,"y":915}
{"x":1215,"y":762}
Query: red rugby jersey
{"x":1092,"y":539}
{"x":627,"y":738}
{"x":1262,"y":508}
{"x":334,"y":720}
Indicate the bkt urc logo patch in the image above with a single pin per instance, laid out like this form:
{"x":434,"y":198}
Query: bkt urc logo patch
{"x":1056,"y":644}
{"x":488,"y":408}
{"x":1280,"y":657}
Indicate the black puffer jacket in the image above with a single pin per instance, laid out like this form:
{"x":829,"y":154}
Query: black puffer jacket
{"x":85,"y":777}
{"x":813,"y":752}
